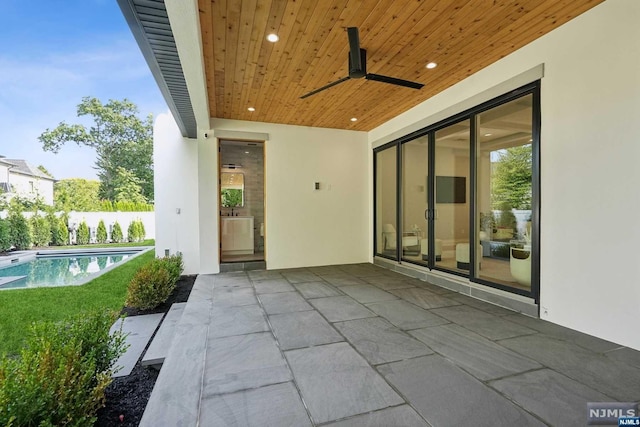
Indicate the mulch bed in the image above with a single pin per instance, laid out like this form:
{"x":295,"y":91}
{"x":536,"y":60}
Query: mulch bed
{"x":126,"y":397}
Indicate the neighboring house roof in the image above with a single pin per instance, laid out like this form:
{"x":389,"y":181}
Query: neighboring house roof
{"x":24,"y":168}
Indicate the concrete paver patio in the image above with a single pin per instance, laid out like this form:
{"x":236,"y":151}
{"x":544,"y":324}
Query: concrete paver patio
{"x":358,"y":345}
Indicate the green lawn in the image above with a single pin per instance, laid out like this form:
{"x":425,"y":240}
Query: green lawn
{"x":19,"y":308}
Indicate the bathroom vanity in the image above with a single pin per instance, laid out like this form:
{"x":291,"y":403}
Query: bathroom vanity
{"x":237,"y":235}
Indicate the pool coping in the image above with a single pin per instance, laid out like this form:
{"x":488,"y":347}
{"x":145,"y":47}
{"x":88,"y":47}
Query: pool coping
{"x":26,"y":256}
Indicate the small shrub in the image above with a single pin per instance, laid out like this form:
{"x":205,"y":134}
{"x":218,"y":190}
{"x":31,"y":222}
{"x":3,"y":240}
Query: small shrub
{"x":116,"y":233}
{"x":82,"y":236}
{"x":174,"y":265}
{"x":142,"y":233}
{"x":60,"y":234}
{"x":151,"y":286}
{"x":40,"y":231}
{"x":19,"y":231}
{"x":133,"y":231}
{"x":61,"y":374}
{"x":5,"y":241}
{"x":101,"y":233}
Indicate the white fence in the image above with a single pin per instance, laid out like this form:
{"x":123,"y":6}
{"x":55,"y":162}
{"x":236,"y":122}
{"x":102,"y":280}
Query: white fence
{"x":93,"y":218}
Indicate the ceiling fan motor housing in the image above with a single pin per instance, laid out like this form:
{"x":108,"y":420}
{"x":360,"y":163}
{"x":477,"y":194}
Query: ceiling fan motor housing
{"x":358,"y":72}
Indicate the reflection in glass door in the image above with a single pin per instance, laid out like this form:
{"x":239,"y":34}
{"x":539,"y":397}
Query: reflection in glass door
{"x":386,"y":202}
{"x":452,"y":197}
{"x":415,"y":190}
{"x":504,"y":192}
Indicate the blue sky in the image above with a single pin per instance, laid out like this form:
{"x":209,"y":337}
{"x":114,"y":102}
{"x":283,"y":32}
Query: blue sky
{"x":53,"y":53}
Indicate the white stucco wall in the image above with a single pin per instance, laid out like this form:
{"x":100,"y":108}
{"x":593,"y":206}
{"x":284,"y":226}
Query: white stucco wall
{"x":307,"y":227}
{"x":589,"y":150}
{"x":177,"y":206}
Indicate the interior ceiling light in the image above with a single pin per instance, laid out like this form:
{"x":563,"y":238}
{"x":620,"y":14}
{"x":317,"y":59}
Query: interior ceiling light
{"x":353,"y":119}
{"x":246,"y":152}
{"x":488,"y":134}
{"x":251,"y":109}
{"x":431,"y":65}
{"x":273,"y":38}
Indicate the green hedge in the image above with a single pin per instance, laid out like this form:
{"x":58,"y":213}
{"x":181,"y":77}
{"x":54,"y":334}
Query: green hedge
{"x":154,"y":282}
{"x":61,"y":374}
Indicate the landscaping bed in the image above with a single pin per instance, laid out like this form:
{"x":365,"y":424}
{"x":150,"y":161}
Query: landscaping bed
{"x":127,"y":397}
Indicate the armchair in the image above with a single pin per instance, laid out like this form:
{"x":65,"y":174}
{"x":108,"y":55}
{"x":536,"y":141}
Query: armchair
{"x":410,"y":241}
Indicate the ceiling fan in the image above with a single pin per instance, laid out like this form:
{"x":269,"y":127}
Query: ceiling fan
{"x":358,"y":67}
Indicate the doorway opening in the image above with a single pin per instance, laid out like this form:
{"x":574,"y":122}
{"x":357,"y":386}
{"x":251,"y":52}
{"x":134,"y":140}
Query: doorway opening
{"x":241,"y":179}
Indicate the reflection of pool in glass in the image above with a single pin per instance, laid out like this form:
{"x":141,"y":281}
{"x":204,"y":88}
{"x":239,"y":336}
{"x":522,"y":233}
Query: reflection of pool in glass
{"x":58,"y":270}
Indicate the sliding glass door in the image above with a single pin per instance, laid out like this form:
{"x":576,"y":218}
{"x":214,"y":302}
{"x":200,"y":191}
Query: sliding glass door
{"x":462,"y":195}
{"x":452,"y":201}
{"x":415,"y":200}
{"x":386,"y":214}
{"x":504,"y":163}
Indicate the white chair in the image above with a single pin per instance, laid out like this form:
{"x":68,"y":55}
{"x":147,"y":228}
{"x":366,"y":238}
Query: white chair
{"x":410,"y":241}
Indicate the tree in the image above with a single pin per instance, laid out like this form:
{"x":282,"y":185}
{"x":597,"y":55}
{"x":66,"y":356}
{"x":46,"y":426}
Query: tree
{"x":511,"y":179}
{"x":40,"y":231}
{"x":76,"y":194}
{"x":19,"y":230}
{"x":120,"y":138}
{"x":116,"y":233}
{"x":5,"y":240}
{"x":101,"y":232}
{"x":83,"y":236}
{"x":45,"y":171}
{"x":127,"y":187}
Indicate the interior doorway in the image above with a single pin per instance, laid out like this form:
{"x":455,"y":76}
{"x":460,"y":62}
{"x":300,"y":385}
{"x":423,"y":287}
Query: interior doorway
{"x":241,"y":179}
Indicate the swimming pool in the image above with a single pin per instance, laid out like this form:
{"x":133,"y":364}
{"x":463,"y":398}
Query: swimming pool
{"x":50,"y":269}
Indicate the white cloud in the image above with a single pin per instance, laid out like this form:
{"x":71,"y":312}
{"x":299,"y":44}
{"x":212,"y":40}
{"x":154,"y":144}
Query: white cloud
{"x":38,"y":93}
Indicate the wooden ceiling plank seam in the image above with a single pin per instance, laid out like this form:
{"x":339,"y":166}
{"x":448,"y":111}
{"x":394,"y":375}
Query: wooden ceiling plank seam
{"x":247,"y":14}
{"x":231,"y":43}
{"x":276,"y":12}
{"x":206,"y":27}
{"x":305,"y":24}
{"x":257,"y":43}
{"x":277,"y":54}
{"x":219,"y":19}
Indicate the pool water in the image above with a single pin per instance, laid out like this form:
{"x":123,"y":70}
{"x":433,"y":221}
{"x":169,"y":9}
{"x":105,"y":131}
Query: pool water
{"x":46,"y":271}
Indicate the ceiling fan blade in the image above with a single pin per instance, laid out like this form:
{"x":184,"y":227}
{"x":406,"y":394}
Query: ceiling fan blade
{"x":394,"y":81}
{"x":355,"y":63}
{"x":313,"y":92}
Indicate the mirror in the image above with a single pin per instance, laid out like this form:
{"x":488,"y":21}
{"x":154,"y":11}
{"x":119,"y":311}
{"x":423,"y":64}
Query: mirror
{"x":231,"y":190}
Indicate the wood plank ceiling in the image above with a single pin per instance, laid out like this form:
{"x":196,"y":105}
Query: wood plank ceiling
{"x":244,"y":70}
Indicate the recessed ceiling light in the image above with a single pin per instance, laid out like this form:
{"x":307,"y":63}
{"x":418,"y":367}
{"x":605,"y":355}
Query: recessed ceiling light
{"x":353,"y":119}
{"x":488,"y":134}
{"x":431,"y":65}
{"x":246,"y":152}
{"x":530,"y":139}
{"x":251,"y":109}
{"x":273,"y":38}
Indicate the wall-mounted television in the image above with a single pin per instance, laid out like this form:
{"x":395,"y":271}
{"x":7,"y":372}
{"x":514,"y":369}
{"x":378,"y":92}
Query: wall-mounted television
{"x":451,"y":189}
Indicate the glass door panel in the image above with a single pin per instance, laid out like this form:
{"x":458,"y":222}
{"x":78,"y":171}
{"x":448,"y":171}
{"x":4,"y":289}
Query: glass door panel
{"x":452,"y":197}
{"x":415,"y":193}
{"x":504,"y":192}
{"x":386,"y":202}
